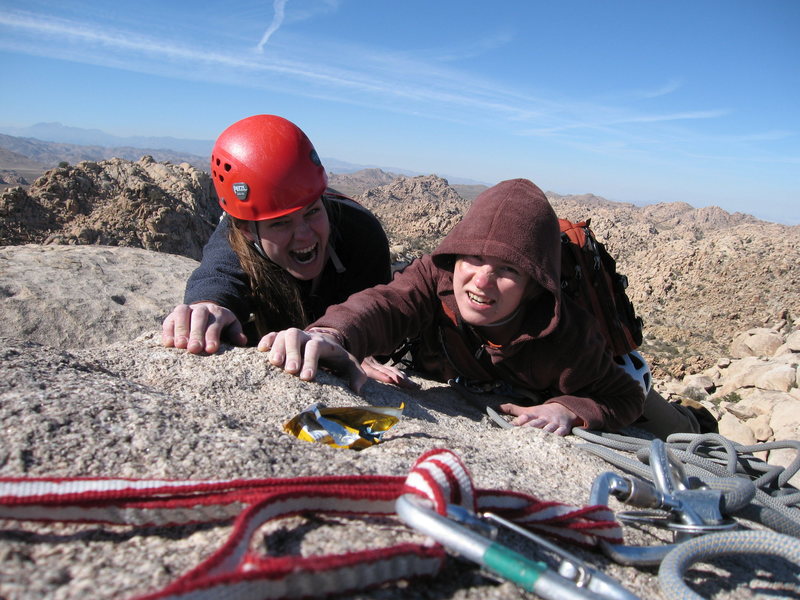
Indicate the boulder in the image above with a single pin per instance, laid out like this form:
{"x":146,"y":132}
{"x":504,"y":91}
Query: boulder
{"x":793,"y":341}
{"x":776,"y":373}
{"x":753,"y":402}
{"x":756,"y":342}
{"x":780,"y":378}
{"x":785,"y":419}
{"x":784,"y":457}
{"x":759,"y":425}
{"x":703,"y":382}
{"x":734,"y":429}
{"x":136,"y":409}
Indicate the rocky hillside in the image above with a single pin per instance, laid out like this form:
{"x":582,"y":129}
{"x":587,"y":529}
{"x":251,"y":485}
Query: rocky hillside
{"x":18,"y":169}
{"x":13,"y":160}
{"x":697,"y":276}
{"x":142,"y":204}
{"x":415,"y":211}
{"x":355,"y":184}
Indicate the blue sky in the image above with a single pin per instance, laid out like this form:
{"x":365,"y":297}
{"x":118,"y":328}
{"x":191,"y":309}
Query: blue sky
{"x":635,"y":101}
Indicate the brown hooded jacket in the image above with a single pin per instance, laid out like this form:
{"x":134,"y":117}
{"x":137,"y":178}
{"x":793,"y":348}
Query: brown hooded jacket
{"x":559,"y":350}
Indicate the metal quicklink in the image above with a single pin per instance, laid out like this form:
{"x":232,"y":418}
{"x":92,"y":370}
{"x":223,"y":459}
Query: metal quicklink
{"x":720,"y":463}
{"x":674,"y":502}
{"x":469,"y":536}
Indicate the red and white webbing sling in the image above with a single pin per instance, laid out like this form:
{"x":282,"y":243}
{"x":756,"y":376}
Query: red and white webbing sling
{"x":235,"y":571}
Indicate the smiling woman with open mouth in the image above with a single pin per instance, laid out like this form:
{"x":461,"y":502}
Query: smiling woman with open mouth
{"x":287,"y":248}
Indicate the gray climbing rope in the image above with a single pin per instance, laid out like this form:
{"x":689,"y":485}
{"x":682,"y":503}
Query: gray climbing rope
{"x":678,"y":561}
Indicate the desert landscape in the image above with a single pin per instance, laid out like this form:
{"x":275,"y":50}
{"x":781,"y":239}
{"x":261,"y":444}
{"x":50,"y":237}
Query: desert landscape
{"x":93,"y":255}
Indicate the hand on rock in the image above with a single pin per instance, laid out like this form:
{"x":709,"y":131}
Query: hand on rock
{"x":200,"y":328}
{"x":302,"y":352}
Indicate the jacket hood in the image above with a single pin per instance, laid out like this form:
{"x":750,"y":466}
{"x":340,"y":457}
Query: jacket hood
{"x":512,"y":221}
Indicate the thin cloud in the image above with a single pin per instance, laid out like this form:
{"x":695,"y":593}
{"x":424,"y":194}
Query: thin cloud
{"x":399,"y":82}
{"x":750,"y":158}
{"x":472,"y":50}
{"x":607,"y":123}
{"x":139,"y":46}
{"x":765,"y":136}
{"x":667,"y":88}
{"x":681,"y":116}
{"x":378,"y":74}
{"x":279,"y":7}
{"x":637,"y":95}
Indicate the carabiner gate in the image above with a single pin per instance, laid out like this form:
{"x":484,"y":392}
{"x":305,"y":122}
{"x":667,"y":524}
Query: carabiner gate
{"x":466,"y":534}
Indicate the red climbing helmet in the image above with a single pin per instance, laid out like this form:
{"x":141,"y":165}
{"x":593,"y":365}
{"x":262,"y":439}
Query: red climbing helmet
{"x":265,"y":167}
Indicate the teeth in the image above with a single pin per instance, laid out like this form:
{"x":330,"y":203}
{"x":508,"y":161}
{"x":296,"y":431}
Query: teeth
{"x":305,"y":255}
{"x":478,"y":299}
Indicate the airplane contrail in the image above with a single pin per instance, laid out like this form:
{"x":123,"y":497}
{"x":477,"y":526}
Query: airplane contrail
{"x":277,"y":20}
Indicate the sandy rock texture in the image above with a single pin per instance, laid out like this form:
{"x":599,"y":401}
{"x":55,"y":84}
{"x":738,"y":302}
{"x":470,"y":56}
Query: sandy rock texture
{"x":137,"y":409}
{"x":77,"y":296}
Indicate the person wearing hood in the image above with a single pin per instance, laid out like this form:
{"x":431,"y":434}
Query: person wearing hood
{"x":488,"y":307}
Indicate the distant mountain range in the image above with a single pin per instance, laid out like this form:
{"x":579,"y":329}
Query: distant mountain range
{"x":56,"y":132}
{"x":49,"y":154}
{"x":52,"y":143}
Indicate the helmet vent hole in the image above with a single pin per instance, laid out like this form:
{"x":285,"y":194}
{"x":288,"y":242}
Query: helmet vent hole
{"x":221,"y":178}
{"x":227,"y":167}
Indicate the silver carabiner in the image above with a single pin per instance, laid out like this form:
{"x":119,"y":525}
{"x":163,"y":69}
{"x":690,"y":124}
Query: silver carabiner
{"x":571,"y":567}
{"x":458,"y":535}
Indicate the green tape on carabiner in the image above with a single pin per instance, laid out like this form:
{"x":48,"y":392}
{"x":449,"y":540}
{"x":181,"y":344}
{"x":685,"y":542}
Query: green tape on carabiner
{"x":513,"y":566}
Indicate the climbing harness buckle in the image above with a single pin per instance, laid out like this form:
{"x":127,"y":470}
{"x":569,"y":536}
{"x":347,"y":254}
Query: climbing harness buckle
{"x":673,"y":501}
{"x":474,"y":538}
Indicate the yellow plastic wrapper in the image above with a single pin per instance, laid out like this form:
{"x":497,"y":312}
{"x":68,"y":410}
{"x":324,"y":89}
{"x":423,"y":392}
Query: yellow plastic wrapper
{"x":355,"y":427}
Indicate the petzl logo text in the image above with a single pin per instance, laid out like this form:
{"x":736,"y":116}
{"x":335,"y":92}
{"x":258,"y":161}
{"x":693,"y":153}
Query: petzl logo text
{"x":241,"y":190}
